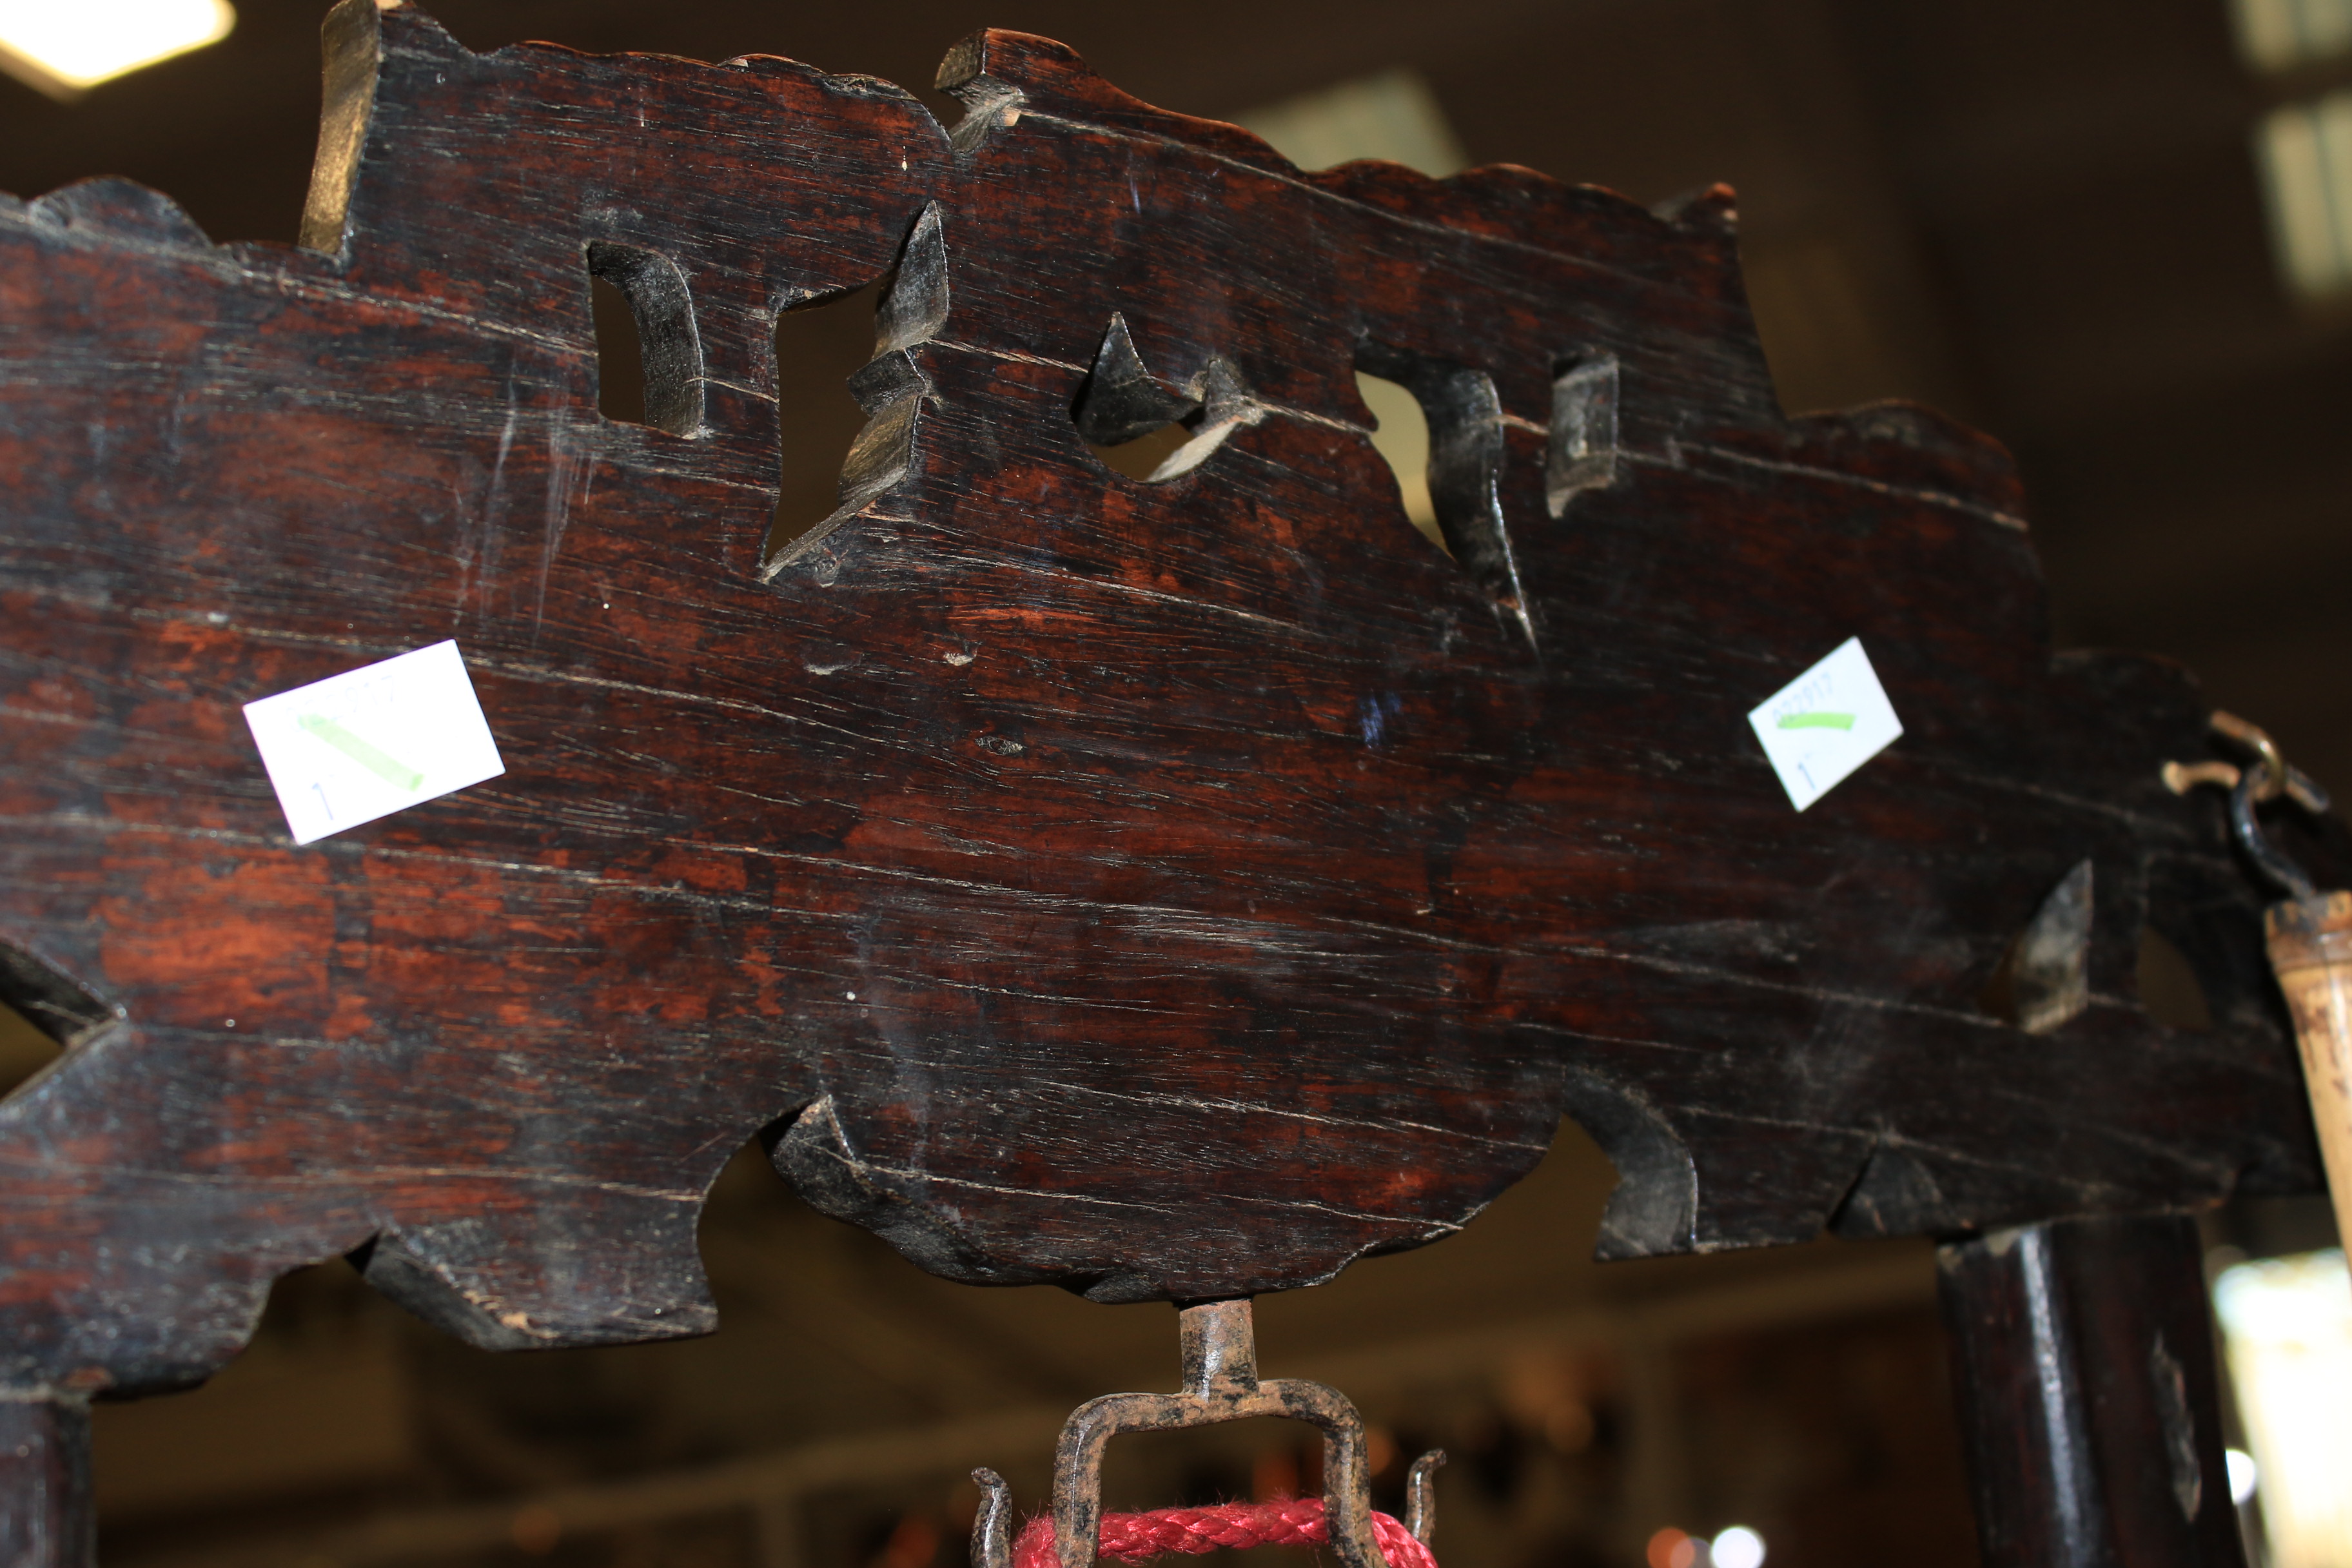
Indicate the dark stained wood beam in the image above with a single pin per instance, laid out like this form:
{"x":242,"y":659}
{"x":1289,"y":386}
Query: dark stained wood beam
{"x":1175,"y":888}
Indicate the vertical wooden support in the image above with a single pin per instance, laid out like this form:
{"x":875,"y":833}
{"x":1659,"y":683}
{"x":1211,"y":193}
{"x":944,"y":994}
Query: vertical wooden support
{"x":46,"y":1518}
{"x":2083,"y":1355}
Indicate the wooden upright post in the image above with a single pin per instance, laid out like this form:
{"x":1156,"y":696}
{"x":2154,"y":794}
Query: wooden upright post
{"x":46,"y":1518}
{"x":2082,"y":1362}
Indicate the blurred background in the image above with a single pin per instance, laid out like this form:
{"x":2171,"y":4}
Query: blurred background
{"x":2117,"y":233}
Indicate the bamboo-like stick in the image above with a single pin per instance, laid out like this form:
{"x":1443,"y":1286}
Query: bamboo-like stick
{"x":2310,"y":944}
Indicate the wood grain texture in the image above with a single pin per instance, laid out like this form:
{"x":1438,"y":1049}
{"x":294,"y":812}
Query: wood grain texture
{"x":1173,"y":890}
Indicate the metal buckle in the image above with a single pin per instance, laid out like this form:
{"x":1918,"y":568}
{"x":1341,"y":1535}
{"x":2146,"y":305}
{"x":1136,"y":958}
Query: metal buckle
{"x":1220,"y":1383}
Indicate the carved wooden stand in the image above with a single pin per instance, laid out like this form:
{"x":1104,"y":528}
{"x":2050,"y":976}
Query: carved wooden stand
{"x":1176,"y":889}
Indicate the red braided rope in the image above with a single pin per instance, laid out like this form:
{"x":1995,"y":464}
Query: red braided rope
{"x":1139,"y":1537}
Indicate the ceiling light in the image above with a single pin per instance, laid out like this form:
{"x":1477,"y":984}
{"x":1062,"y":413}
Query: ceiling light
{"x":2306,"y":153}
{"x":2287,"y":1325}
{"x":2282,"y":34}
{"x":2245,"y":1476}
{"x":1738,"y":1547}
{"x":66,"y":48}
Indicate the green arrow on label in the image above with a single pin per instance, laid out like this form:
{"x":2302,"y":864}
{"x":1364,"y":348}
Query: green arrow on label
{"x":1817,"y":721}
{"x":391,"y":770}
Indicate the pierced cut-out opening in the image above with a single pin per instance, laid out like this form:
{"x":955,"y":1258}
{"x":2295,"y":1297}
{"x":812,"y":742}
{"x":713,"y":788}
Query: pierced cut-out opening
{"x":1582,"y":453}
{"x":1145,"y":429}
{"x":43,"y":1015}
{"x":2043,"y":978}
{"x":23,"y":1049}
{"x":910,"y":305}
{"x":2169,"y":992}
{"x":1140,"y":458}
{"x":820,"y":344}
{"x":1463,"y":417}
{"x":620,"y":356}
{"x":1999,"y":997}
{"x":648,"y":350}
{"x":1401,"y":435}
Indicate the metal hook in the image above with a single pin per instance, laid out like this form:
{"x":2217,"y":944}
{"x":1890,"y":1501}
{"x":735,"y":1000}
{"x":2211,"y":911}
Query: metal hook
{"x":991,"y":1527}
{"x":1421,"y":1496}
{"x":2267,"y":780}
{"x":1220,"y":1383}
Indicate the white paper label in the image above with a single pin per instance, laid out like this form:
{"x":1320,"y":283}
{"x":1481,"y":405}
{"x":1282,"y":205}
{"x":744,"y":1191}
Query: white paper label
{"x":1825,"y":724}
{"x":374,"y":741}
